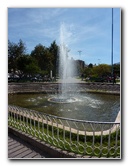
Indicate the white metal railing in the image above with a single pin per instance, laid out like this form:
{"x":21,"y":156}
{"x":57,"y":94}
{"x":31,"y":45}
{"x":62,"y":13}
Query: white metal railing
{"x":79,"y":136}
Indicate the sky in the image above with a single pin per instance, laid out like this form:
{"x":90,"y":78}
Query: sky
{"x":88,"y":31}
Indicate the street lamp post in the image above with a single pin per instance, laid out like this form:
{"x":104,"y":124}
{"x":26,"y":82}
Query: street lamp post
{"x":79,"y":52}
{"x":112,"y":47}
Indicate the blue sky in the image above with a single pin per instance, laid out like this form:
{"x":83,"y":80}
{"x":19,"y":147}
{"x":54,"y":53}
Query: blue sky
{"x":88,"y":30}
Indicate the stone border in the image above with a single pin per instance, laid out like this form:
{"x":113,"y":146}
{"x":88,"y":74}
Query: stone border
{"x":104,"y":88}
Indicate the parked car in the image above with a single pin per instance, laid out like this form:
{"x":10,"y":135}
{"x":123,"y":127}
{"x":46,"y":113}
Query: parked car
{"x":33,"y":79}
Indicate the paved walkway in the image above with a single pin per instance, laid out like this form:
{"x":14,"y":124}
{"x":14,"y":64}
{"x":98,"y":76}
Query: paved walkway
{"x":70,"y":80}
{"x":17,"y":148}
{"x":79,"y":80}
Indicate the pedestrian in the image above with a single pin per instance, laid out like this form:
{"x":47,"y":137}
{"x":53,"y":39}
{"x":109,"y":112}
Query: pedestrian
{"x":82,"y":76}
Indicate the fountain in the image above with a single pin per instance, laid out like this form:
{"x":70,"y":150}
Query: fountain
{"x":68,"y":101}
{"x":66,"y":71}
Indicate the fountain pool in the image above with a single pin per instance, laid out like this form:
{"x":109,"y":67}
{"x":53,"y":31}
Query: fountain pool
{"x":89,"y":106}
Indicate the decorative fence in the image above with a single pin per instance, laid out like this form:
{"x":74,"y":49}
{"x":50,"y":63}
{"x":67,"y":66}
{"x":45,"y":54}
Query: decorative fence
{"x":101,"y":139}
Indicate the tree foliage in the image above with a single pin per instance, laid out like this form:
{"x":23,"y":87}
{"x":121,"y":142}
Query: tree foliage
{"x":41,"y":60}
{"x":44,"y":59}
{"x":54,"y":49}
{"x":14,"y":52}
{"x":102,"y":70}
{"x":26,"y":66}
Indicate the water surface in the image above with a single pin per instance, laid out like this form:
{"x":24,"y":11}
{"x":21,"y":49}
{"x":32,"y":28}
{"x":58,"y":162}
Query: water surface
{"x":91,"y":107}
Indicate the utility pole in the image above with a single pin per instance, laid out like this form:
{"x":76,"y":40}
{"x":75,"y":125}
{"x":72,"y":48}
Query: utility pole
{"x":112,"y":48}
{"x":79,"y":52}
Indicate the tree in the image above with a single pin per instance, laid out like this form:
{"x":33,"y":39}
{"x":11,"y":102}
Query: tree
{"x":26,"y":65}
{"x":14,"y":52}
{"x":43,"y":57}
{"x":88,"y":71}
{"x":117,"y":69}
{"x":102,"y":70}
{"x":54,"y":49}
{"x":99,"y":72}
{"x":32,"y":69}
{"x":90,"y":65}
